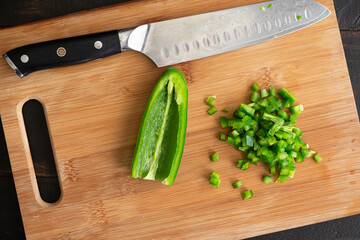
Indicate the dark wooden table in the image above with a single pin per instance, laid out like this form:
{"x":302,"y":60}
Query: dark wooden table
{"x":16,"y":12}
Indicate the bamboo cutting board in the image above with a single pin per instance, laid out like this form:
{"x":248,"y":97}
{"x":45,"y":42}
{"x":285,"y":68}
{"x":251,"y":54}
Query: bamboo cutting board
{"x":94,"y":112}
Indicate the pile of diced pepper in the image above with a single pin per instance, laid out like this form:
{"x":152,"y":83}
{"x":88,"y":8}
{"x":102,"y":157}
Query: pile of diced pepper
{"x":264,"y":131}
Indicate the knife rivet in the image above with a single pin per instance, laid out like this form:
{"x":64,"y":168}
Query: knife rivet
{"x":24,"y":58}
{"x":61,"y":51}
{"x":98,"y":44}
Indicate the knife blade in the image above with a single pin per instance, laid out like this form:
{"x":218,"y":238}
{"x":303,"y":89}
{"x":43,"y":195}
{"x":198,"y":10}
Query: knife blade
{"x":191,"y":38}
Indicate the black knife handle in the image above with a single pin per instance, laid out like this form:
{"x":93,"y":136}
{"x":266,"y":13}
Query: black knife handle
{"x":63,"y":52}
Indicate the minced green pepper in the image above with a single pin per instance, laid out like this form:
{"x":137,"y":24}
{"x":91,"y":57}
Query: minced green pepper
{"x":264,"y":130}
{"x":161,"y":138}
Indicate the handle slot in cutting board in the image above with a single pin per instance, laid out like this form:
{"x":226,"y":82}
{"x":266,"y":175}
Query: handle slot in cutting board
{"x":39,"y":152}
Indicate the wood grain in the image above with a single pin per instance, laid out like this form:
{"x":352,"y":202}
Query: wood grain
{"x":34,"y":10}
{"x":94,"y":112}
{"x":351,"y":44}
{"x":348,"y":14}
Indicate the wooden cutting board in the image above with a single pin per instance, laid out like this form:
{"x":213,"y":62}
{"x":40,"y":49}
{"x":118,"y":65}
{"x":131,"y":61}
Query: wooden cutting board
{"x":94,"y":112}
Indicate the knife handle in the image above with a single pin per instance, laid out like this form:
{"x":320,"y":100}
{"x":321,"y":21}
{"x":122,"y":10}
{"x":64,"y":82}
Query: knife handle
{"x":62,"y":52}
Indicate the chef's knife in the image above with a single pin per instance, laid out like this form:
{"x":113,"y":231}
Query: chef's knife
{"x":178,"y":40}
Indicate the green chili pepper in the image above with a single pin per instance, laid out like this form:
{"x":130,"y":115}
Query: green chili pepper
{"x":264,"y":93}
{"x":264,"y":103}
{"x":247,"y":194}
{"x":247,"y":110}
{"x":223,"y":122}
{"x":255,"y":86}
{"x":265,"y":131}
{"x":210,"y":101}
{"x":255,"y":97}
{"x":273,"y":92}
{"x":214,"y":157}
{"x":237,"y":184}
{"x":317,"y":158}
{"x":267,"y":179}
{"x":222,"y":137}
{"x":273,"y":102}
{"x":296,"y":109}
{"x":161,"y":138}
{"x":240,"y":163}
{"x":212,"y":110}
{"x":282,"y":178}
{"x":286,"y":95}
{"x":245,"y":166}
{"x":215,"y":179}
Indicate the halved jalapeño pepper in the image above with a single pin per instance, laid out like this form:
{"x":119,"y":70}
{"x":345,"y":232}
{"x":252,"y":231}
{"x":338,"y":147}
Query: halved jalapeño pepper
{"x":161,"y":138}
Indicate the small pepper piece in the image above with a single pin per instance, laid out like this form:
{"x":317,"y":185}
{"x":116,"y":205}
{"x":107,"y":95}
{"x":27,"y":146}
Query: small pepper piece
{"x":273,"y":118}
{"x":245,"y":166}
{"x":261,"y":133}
{"x":247,"y":110}
{"x":286,"y":103}
{"x":271,"y":140}
{"x":274,"y":129}
{"x":255,"y":87}
{"x":230,"y":123}
{"x":273,"y":170}
{"x":282,"y":178}
{"x":223,"y":122}
{"x":214,"y":175}
{"x":255,"y":97}
{"x":222,"y":136}
{"x":215,"y":182}
{"x":237,"y":123}
{"x":247,"y":194}
{"x":210,"y":101}
{"x":225,"y":110}
{"x":299,"y":158}
{"x":215,"y":179}
{"x":317,"y":158}
{"x":214,"y":157}
{"x":307,"y":153}
{"x":237,"y":184}
{"x":283,"y":115}
{"x":246,"y":123}
{"x":284,"y":171}
{"x":240,"y":163}
{"x":267,"y":179}
{"x":273,"y":102}
{"x":264,"y":103}
{"x":244,"y":149}
{"x":234,"y":133}
{"x":296,"y":109}
{"x":293,"y":118}
{"x":297,"y":132}
{"x":291,"y":171}
{"x":286,"y":95}
{"x":264,"y":93}
{"x":249,"y":141}
{"x":212,"y":111}
{"x":273,"y":92}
